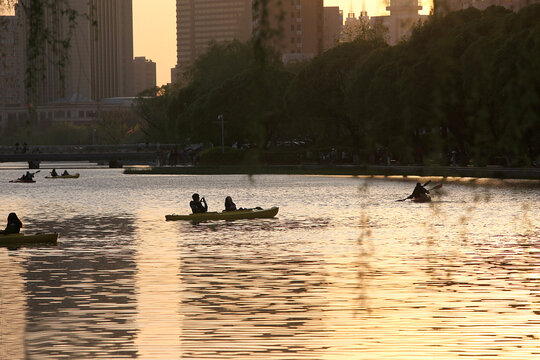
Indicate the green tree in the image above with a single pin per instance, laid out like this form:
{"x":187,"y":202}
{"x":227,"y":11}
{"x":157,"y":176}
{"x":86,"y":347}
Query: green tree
{"x":316,"y":97}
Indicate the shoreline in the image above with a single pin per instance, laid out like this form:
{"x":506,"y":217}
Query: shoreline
{"x":471,"y":175}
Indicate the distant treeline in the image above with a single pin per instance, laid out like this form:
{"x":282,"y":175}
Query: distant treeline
{"x":464,"y":88}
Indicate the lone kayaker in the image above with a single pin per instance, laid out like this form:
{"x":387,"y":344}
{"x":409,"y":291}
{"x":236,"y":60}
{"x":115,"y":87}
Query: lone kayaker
{"x":198,"y":206}
{"x":14,"y":225}
{"x":54,"y":173}
{"x":418,"y":192}
{"x":229,"y":204}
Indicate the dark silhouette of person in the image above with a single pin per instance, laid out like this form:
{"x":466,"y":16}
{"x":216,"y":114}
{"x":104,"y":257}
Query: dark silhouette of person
{"x":229,"y":204}
{"x":54,"y":173}
{"x":14,"y":225}
{"x":198,"y":206}
{"x":27,"y":177}
{"x":418,"y":192}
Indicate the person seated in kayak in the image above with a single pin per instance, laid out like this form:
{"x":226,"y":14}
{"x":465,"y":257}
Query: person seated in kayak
{"x":418,"y":192}
{"x":54,"y":173}
{"x":65,"y":173}
{"x":14,"y":225}
{"x":229,"y":204}
{"x":198,"y":205}
{"x":27,"y":177}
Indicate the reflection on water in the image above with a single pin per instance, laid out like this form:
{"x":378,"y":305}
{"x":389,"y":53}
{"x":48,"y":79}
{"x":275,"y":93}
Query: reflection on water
{"x":343,"y":272}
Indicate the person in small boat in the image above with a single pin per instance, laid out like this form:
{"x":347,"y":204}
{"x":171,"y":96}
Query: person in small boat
{"x":419,"y":192}
{"x":27,"y":177}
{"x":65,"y":173}
{"x":229,"y":204}
{"x":14,"y":225}
{"x":198,"y":205}
{"x":54,"y":173}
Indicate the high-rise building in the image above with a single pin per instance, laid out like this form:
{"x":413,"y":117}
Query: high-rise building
{"x":111,"y":48}
{"x":99,"y":58}
{"x":333,"y":26}
{"x":144,"y":74}
{"x":11,"y":68}
{"x":298,"y":26}
{"x":201,"y":22}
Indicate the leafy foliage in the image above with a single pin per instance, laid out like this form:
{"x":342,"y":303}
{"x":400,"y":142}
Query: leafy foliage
{"x":465,"y":84}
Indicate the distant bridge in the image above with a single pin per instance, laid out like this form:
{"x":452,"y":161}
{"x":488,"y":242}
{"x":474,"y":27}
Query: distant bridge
{"x":114,"y":155}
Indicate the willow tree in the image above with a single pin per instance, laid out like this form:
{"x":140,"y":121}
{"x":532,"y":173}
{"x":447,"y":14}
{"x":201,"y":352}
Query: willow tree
{"x":48,"y":29}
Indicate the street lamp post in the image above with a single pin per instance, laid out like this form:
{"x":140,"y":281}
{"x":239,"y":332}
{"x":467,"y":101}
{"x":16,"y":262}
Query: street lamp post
{"x":221,"y":118}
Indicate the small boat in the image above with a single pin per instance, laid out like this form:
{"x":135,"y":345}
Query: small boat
{"x":74,"y":176}
{"x":227,"y":215}
{"x":22,"y":181}
{"x":422,"y":199}
{"x":16,"y":239}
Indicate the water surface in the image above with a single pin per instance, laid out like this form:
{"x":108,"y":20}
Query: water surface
{"x":343,"y":272}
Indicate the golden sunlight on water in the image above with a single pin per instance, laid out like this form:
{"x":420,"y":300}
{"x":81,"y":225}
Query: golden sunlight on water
{"x":343,"y":272}
{"x":158,"y":289}
{"x":12,"y":307}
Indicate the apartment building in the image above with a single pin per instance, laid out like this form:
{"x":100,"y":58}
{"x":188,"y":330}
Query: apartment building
{"x":144,"y":74}
{"x":297,"y":27}
{"x":201,"y":22}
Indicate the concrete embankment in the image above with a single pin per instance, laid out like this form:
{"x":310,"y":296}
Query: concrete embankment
{"x":498,"y":175}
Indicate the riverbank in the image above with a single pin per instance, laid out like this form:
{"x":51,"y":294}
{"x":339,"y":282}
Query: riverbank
{"x":529,"y":176}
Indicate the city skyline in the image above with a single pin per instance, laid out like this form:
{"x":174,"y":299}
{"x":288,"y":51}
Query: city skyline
{"x":154,"y":29}
{"x":157,"y":20}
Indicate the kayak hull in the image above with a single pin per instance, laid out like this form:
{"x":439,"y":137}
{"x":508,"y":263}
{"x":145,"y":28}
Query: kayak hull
{"x":16,"y":239}
{"x":22,"y":181}
{"x":74,"y":176}
{"x":227,"y":215}
{"x":422,"y":199}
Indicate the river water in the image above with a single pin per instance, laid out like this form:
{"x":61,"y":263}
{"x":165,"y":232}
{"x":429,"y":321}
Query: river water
{"x":343,"y":272}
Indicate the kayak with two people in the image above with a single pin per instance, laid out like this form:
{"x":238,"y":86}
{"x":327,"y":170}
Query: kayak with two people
{"x":65,"y":175}
{"x":199,"y":208}
{"x":26,"y":178}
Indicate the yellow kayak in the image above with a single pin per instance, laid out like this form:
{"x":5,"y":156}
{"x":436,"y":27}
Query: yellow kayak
{"x":74,"y":176}
{"x":227,"y":215}
{"x":15,"y":239}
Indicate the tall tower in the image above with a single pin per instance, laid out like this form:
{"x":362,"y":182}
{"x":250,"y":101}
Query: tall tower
{"x":300,"y":27}
{"x":11,"y":68}
{"x":111,"y":48}
{"x":99,"y":59}
{"x":333,"y":26}
{"x":200,"y":22}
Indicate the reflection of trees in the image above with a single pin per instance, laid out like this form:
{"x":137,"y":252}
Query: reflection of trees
{"x":78,"y":303}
